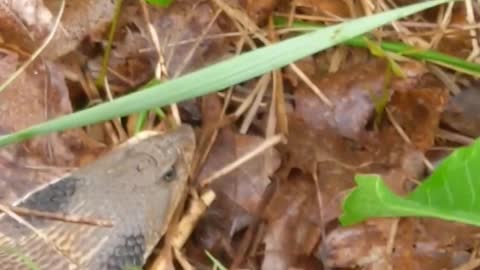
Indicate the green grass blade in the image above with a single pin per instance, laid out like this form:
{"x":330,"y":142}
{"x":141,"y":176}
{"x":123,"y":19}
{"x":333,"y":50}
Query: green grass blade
{"x":432,"y":56}
{"x":216,"y":263}
{"x":451,"y":62}
{"x":221,"y":75}
{"x":160,"y":3}
{"x":452,"y":193}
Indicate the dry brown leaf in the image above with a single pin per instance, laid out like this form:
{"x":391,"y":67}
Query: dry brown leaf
{"x":35,"y":18}
{"x":358,"y":246}
{"x":335,"y":159}
{"x":259,"y":11}
{"x":134,"y":58}
{"x":416,"y":245}
{"x":323,"y":7}
{"x":463,"y":112}
{"x":246,"y":184}
{"x":418,"y":248}
{"x":351,"y":91}
{"x":37,"y":95}
{"x":82,"y":18}
{"x":239,"y":193}
{"x":418,"y":113}
{"x":294,"y":224}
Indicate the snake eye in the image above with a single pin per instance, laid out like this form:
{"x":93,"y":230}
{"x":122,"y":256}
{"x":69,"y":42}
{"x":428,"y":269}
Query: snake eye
{"x":170,"y":175}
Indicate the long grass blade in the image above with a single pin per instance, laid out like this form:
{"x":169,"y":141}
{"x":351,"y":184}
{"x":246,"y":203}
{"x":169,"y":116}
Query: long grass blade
{"x":221,"y":75}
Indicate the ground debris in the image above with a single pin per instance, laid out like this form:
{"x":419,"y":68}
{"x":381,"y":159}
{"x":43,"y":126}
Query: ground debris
{"x":346,"y":114}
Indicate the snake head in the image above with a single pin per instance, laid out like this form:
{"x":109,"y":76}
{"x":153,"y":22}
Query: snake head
{"x":144,"y":190}
{"x":162,"y":178}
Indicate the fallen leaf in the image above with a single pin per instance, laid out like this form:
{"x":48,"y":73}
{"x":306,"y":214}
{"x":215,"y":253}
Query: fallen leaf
{"x":463,"y":112}
{"x":37,"y":95}
{"x":134,"y":57}
{"x":259,"y":11}
{"x":418,"y":111}
{"x":323,"y":7}
{"x":294,"y":224}
{"x":246,"y":184}
{"x":351,"y":91}
{"x":362,"y":246}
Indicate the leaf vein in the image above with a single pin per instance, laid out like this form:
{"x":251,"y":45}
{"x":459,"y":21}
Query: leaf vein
{"x":473,"y":196}
{"x":447,"y":189}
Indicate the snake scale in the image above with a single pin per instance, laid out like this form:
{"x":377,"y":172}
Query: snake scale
{"x":136,"y":186}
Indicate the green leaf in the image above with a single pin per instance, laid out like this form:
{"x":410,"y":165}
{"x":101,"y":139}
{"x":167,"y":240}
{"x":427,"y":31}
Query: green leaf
{"x":221,"y":75}
{"x":160,"y":3}
{"x":451,"y":192}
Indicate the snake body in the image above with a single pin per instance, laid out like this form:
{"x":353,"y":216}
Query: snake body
{"x":136,"y":186}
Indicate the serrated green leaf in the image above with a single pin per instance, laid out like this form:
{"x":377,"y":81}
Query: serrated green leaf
{"x":451,"y":192}
{"x":221,"y":75}
{"x":455,"y":184}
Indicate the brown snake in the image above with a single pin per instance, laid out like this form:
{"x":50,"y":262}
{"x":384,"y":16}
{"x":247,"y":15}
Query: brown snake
{"x":137,"y":186}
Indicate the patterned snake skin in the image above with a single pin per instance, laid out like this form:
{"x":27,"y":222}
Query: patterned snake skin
{"x":137,"y":186}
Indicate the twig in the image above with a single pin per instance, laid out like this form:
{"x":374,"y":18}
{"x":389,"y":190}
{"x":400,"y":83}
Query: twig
{"x":161,"y":67}
{"x":41,"y":235}
{"x":391,"y":237}
{"x":259,"y":91}
{"x":34,"y":56}
{"x":311,"y":85}
{"x":454,"y":137}
{"x":117,"y":122}
{"x":187,"y":223}
{"x":405,"y":137}
{"x":473,"y":34}
{"x":470,"y":265}
{"x":182,"y":231}
{"x":445,"y":78}
{"x":195,"y":46}
{"x":243,"y":19}
{"x":246,"y":157}
{"x":61,"y":217}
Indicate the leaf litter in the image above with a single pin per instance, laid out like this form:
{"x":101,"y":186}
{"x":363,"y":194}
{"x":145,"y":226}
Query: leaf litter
{"x":280,"y":209}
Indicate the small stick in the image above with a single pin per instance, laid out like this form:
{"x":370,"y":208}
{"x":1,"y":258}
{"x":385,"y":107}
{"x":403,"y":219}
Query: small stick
{"x":182,"y":231}
{"x":37,"y":232}
{"x":37,"y":52}
{"x":391,"y":237}
{"x":246,"y":157}
{"x":195,"y":211}
{"x":311,"y":85}
{"x":405,"y":137}
{"x":61,"y":217}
